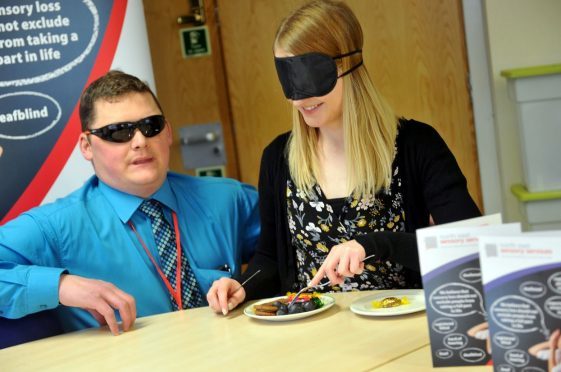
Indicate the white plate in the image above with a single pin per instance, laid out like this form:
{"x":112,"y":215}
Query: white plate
{"x":327,"y":303}
{"x":416,"y":297}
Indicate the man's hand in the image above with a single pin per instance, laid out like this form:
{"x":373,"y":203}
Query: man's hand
{"x":344,"y":260}
{"x":224,"y":295}
{"x":100,"y":298}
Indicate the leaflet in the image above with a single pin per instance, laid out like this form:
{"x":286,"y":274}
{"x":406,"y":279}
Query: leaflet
{"x":522,"y":287}
{"x":449,"y":260}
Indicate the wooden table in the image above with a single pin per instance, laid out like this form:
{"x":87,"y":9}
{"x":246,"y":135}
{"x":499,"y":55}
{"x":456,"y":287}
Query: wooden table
{"x":420,"y":361}
{"x":198,"y":339}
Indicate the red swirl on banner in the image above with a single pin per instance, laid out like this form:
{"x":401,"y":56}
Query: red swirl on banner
{"x":51,"y":168}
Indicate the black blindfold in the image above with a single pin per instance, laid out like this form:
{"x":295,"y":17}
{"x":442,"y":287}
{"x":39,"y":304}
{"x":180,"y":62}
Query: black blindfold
{"x":310,"y":75}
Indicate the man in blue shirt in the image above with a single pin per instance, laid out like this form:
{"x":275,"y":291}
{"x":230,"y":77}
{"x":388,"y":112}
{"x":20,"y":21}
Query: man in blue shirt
{"x":93,"y":256}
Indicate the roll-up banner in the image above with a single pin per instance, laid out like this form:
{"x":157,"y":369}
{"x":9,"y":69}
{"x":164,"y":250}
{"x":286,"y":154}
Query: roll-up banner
{"x":49,"y":52}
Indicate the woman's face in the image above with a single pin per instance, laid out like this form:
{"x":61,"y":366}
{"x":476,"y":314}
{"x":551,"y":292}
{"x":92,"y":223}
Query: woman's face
{"x":320,"y":112}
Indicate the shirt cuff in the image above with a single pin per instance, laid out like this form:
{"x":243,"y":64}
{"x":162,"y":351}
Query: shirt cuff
{"x":369,"y":245}
{"x":43,"y":288}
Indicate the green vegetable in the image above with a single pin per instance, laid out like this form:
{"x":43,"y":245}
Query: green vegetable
{"x":317,"y":302}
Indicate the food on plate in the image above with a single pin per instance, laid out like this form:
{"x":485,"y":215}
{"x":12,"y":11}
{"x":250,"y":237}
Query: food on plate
{"x":271,"y":308}
{"x":387,"y":302}
{"x":306,"y":302}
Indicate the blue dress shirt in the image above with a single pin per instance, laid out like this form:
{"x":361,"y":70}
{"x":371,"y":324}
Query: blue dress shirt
{"x":87,"y":233}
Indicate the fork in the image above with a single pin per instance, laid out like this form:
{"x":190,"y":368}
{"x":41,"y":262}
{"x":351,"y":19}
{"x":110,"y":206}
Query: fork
{"x":245,"y":281}
{"x":318,"y":286}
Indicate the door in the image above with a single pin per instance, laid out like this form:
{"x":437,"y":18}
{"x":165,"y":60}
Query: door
{"x":414,"y":50}
{"x":190,"y":90}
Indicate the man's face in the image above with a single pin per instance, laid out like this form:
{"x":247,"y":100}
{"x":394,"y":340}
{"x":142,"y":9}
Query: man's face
{"x":137,"y":167}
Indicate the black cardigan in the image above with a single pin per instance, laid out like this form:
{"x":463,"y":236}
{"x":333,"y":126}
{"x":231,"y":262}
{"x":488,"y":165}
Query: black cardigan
{"x":432,"y":184}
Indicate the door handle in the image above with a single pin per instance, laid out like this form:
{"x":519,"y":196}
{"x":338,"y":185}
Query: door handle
{"x":197,"y":15}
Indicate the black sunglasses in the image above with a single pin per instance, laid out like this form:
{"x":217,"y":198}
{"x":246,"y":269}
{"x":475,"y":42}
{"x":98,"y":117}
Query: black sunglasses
{"x":123,"y":132}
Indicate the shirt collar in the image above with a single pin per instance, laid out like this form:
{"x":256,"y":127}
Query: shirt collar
{"x":126,"y":204}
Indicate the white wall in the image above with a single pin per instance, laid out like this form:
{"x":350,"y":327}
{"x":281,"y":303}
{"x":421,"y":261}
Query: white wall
{"x":521,"y":33}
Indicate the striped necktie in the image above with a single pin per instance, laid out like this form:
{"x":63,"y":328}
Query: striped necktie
{"x":165,"y":241}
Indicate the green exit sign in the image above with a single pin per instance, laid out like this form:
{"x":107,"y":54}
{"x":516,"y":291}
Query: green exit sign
{"x":194,"y":41}
{"x":217,"y":171}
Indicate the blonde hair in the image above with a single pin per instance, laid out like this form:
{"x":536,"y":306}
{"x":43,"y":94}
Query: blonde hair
{"x":369,"y":123}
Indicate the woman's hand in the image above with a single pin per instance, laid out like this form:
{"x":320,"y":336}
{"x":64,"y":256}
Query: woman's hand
{"x":344,"y":260}
{"x":224,"y":295}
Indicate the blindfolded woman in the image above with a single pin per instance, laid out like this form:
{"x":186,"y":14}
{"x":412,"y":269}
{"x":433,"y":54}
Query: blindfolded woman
{"x":350,"y":180}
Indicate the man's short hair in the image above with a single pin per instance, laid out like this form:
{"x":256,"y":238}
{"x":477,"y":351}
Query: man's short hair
{"x":109,"y":87}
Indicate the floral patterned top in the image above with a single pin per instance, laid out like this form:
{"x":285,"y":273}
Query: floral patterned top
{"x":315,"y":228}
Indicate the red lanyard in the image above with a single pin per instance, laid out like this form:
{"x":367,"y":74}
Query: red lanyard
{"x":176,"y":294}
